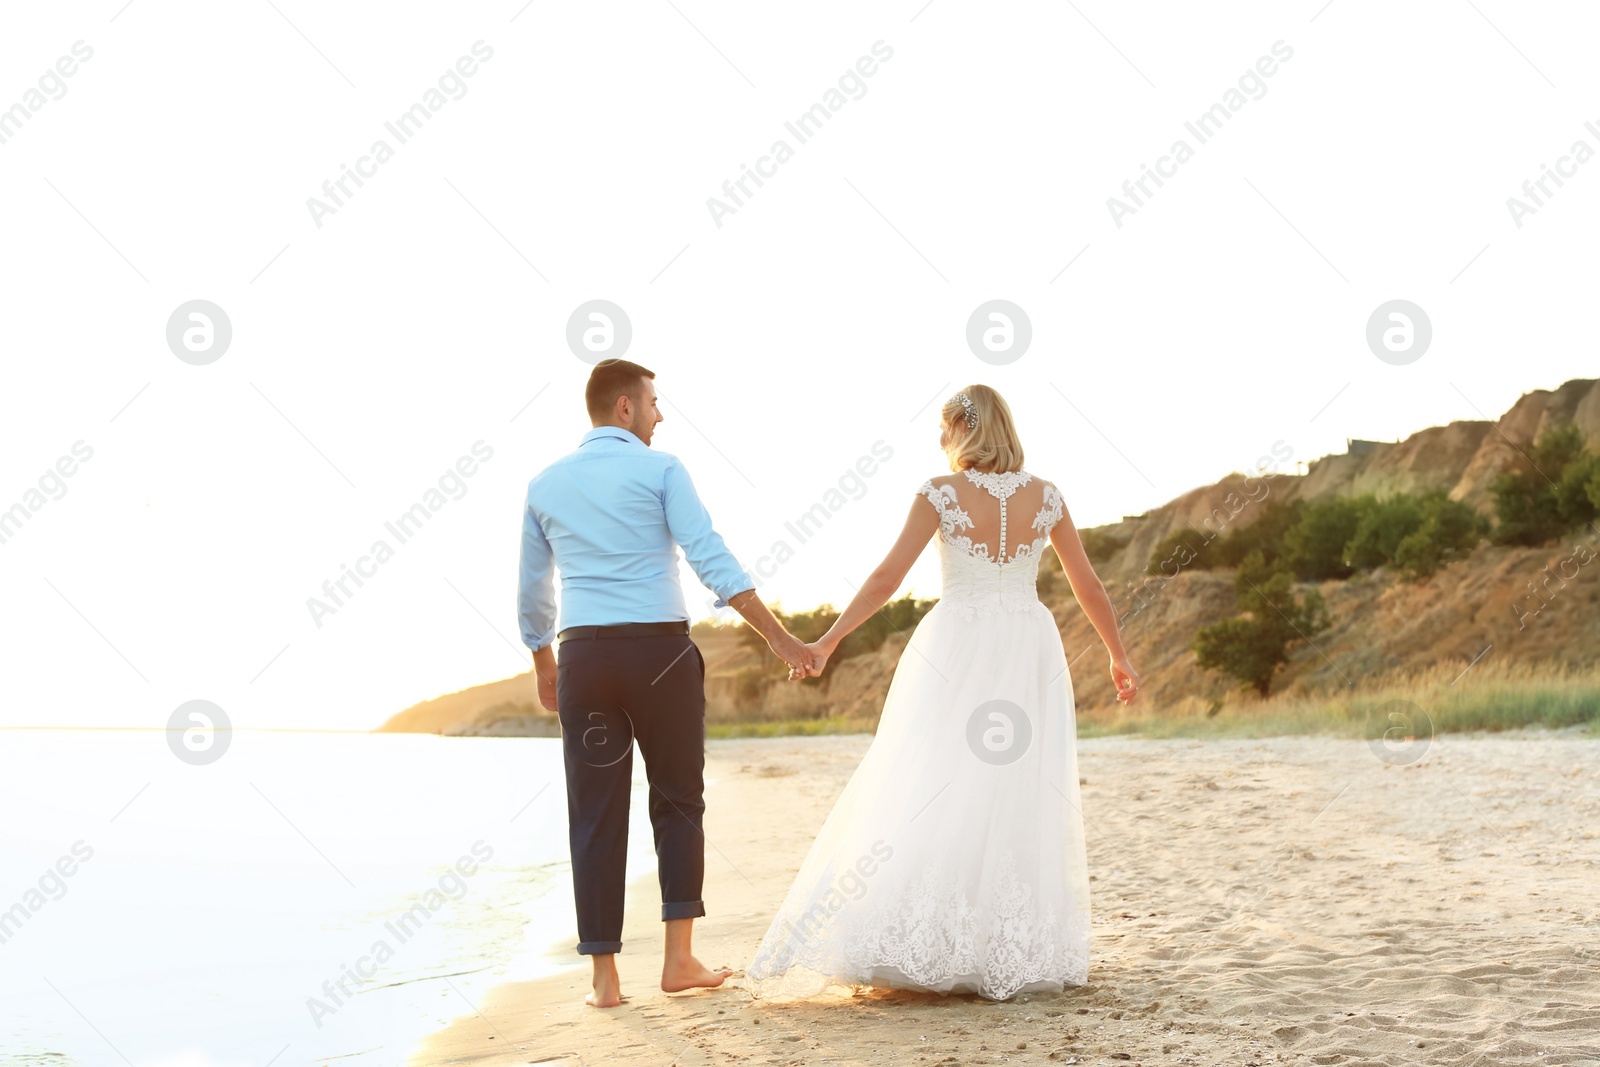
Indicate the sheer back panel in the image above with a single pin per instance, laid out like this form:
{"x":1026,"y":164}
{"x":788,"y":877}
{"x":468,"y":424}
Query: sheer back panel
{"x":998,"y":517}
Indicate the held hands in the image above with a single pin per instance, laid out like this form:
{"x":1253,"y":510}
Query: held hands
{"x":805,"y":661}
{"x":819,"y":659}
{"x":1125,"y":678}
{"x":798,"y":656}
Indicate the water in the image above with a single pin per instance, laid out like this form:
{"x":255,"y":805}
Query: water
{"x":169,"y":915}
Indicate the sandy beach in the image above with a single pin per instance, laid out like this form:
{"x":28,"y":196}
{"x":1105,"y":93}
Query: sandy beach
{"x":1288,"y":900}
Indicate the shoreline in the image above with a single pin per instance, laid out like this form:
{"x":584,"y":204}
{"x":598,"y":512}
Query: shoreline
{"x":747,"y":773}
{"x":1284,"y":900}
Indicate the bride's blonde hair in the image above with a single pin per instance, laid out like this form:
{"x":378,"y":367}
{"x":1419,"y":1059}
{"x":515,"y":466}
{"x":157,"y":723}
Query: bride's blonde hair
{"x":992,"y":444}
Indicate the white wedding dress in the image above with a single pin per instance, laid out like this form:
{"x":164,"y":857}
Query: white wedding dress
{"x":954,"y":860}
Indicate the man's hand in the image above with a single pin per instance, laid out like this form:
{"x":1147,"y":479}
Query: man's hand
{"x":544,"y":669}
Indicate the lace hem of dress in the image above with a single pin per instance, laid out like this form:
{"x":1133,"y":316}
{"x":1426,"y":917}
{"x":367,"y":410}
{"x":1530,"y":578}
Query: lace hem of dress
{"x":928,"y":938}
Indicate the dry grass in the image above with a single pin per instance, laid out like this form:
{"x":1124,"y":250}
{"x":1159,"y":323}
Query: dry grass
{"x":1445,"y":698}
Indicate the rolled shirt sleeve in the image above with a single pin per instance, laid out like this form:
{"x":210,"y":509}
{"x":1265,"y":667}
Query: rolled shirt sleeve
{"x":690,"y":525}
{"x":536,"y":601}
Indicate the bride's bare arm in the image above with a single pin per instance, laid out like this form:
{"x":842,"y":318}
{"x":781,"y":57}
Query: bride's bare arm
{"x":921,"y":524}
{"x":1091,"y":595}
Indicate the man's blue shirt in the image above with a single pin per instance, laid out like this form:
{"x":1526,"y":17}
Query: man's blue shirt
{"x":608,"y":517}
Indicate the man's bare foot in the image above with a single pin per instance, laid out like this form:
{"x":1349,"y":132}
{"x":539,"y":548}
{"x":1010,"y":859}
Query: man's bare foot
{"x":690,"y":973}
{"x":607,"y":988}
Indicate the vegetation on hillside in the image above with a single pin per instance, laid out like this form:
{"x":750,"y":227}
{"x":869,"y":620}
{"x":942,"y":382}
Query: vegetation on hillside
{"x":1252,"y":646}
{"x":1413,"y":533}
{"x":1553,"y":490}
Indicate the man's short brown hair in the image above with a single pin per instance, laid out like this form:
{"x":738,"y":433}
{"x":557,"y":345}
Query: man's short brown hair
{"x":610,"y":379}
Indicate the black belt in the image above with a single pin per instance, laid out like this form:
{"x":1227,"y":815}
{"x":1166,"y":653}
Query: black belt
{"x":626,"y":629}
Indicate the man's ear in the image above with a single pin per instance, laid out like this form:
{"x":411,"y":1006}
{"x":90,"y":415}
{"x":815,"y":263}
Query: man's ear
{"x":622,"y":411}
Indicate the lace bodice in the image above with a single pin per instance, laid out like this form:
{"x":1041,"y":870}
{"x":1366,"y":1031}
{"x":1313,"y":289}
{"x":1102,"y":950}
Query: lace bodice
{"x":979,"y":577}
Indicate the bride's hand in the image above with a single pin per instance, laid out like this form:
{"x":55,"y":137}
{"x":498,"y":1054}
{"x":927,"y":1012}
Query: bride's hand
{"x":1125,"y":678}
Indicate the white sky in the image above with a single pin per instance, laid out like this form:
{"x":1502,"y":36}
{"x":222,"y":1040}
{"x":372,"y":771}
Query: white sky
{"x":827,"y":314}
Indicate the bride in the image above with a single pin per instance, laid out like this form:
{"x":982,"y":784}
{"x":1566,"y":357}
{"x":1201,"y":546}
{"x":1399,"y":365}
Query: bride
{"x":954,"y":859}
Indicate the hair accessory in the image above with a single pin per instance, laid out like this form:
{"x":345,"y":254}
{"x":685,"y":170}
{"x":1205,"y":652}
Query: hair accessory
{"x":972,"y":412}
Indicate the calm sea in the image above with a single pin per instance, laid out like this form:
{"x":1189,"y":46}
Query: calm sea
{"x":308,"y":897}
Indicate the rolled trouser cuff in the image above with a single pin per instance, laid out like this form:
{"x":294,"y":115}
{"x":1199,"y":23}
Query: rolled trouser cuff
{"x":683,"y":909}
{"x":598,"y":948}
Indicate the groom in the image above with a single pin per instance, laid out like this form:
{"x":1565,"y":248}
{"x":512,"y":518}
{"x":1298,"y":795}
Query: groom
{"x":608,"y":516}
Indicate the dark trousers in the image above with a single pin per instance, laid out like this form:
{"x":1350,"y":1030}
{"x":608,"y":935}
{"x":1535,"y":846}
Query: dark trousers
{"x":611,"y":692}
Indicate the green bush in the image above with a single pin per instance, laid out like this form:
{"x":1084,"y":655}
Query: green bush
{"x":1251,"y":648}
{"x":1577,"y":493}
{"x":1314,"y":546}
{"x":1449,"y":530}
{"x":1416,"y":534}
{"x":1547,"y":491}
{"x":1383,"y":525}
{"x":1266,"y":534}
